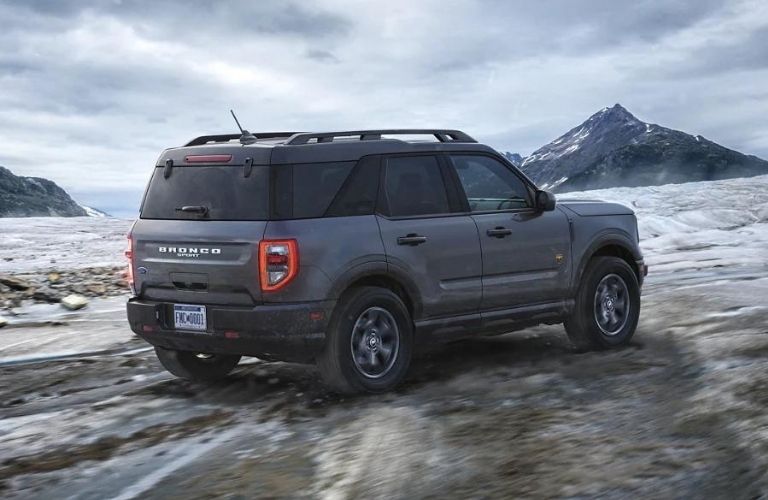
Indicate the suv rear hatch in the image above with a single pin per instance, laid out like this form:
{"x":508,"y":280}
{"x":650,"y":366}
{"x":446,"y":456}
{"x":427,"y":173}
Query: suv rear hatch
{"x":197,"y":237}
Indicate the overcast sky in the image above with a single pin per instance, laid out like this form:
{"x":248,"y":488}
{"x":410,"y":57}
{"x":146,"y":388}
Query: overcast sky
{"x":91,"y":92}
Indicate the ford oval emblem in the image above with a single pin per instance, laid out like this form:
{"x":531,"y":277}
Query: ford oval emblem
{"x":142,"y":270}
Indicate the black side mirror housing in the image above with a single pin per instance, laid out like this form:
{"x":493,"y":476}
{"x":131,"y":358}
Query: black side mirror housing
{"x":545,"y":201}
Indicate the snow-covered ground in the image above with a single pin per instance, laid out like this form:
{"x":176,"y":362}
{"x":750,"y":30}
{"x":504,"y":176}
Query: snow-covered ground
{"x":697,"y":225}
{"x":42,"y":243}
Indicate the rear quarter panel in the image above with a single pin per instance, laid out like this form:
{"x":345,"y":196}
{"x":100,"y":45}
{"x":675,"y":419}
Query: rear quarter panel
{"x":329,"y":250}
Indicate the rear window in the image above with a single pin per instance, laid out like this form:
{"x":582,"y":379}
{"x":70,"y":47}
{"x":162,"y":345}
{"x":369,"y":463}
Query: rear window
{"x":223,"y":191}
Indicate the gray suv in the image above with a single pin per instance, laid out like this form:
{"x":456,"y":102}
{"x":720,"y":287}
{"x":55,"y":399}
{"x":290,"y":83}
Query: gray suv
{"x":346,"y":249}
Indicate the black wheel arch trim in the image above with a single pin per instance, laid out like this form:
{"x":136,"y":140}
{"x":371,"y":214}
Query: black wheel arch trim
{"x":379,"y":269}
{"x":607,"y":238}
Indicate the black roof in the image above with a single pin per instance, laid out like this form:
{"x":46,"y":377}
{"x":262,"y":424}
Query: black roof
{"x":305,"y":147}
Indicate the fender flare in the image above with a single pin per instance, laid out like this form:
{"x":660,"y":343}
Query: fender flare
{"x":383,"y":269}
{"x":609,"y":237}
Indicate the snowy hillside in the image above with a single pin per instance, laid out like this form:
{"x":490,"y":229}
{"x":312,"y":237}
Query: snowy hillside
{"x":698,"y":225}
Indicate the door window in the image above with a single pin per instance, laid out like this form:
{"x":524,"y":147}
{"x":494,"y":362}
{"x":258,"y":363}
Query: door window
{"x":414,"y":186}
{"x":489,"y":184}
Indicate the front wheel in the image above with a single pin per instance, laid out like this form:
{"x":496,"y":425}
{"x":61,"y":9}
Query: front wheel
{"x":607,"y":305}
{"x":368,"y":343}
{"x":196,"y":366}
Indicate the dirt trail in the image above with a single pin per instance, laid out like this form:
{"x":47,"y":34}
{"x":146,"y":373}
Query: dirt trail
{"x":680,"y":413}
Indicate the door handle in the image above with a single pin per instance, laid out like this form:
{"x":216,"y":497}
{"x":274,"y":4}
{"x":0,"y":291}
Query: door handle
{"x":411,"y":239}
{"x":498,"y":232}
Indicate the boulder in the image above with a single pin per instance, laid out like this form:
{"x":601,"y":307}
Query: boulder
{"x":14,"y":283}
{"x":3,"y":322}
{"x":74,"y":302}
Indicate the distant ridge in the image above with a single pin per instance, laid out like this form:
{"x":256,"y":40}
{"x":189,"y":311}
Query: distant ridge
{"x":613,"y":148}
{"x":34,"y":197}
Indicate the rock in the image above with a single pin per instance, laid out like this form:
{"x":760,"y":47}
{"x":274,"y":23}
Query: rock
{"x":96,"y":288}
{"x":3,"y":322}
{"x":54,"y":278}
{"x":14,"y":283}
{"x":74,"y":302}
{"x":45,"y":295}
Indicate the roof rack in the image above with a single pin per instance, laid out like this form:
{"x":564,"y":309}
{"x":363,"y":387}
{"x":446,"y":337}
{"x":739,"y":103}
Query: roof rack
{"x":205,"y":139}
{"x":442,"y":135}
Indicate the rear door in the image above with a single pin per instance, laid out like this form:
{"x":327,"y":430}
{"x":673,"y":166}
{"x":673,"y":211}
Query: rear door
{"x":197,"y":237}
{"x":426,"y":239}
{"x":525,"y":251}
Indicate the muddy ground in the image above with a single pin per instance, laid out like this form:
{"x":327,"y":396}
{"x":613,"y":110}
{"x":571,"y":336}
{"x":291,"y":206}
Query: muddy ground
{"x":679,"y":413}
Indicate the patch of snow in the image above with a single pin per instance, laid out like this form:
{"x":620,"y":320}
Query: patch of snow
{"x":93,"y":212}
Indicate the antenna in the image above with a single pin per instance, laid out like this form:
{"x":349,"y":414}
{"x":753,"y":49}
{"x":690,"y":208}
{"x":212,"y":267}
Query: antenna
{"x":246,"y":137}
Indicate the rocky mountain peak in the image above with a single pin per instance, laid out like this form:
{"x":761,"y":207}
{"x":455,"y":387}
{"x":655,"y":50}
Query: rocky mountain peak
{"x":614,"y":148}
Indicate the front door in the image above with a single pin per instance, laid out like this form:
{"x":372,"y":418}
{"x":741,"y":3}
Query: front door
{"x":526,"y":252}
{"x":424,"y":237}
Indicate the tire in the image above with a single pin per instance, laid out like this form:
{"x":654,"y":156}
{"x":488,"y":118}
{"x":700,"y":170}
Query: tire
{"x":369,"y":323}
{"x":196,"y":366}
{"x":607,"y":305}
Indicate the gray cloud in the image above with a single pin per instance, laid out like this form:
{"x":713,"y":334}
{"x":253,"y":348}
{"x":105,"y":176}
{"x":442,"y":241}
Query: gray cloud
{"x":91,"y":92}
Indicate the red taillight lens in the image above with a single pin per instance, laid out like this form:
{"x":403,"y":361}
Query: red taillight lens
{"x":278,"y":263}
{"x":129,"y":256}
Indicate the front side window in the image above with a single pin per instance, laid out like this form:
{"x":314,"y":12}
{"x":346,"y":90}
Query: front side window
{"x":414,"y":186}
{"x":489,"y":184}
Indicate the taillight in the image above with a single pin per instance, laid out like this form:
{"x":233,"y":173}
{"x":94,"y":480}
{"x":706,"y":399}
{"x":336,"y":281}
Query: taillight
{"x":129,"y":256}
{"x":278,"y":263}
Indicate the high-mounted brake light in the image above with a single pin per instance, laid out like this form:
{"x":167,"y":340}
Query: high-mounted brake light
{"x":278,"y":263}
{"x":129,"y":256}
{"x":208,"y":158}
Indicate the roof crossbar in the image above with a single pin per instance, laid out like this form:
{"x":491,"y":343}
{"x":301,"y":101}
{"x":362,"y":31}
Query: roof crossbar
{"x":442,"y":135}
{"x":205,"y":139}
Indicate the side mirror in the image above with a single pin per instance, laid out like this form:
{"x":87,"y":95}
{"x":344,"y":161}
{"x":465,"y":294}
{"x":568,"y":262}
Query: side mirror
{"x":545,"y":201}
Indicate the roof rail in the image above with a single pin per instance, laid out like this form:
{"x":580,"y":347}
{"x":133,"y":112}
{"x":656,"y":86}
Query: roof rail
{"x":205,"y":139}
{"x":442,"y":135}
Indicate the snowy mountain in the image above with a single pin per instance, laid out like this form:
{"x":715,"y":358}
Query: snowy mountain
{"x":515,"y":158}
{"x":614,"y":148}
{"x":94,"y":212}
{"x":34,"y":197}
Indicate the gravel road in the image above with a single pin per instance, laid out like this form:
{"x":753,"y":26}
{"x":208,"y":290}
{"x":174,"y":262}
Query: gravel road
{"x":679,"y":413}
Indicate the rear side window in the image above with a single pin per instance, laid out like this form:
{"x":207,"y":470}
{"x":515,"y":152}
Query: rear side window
{"x":359,"y":192}
{"x":315,"y":185}
{"x":222,"y":193}
{"x":414,"y":186}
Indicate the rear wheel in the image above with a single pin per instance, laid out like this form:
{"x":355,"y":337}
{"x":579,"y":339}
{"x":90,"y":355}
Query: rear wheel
{"x":607,"y":305}
{"x":196,"y":366}
{"x":369,"y":342}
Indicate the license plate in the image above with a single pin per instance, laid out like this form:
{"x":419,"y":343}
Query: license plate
{"x":187,"y":317}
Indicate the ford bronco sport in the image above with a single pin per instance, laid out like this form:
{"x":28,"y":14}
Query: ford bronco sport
{"x":347,"y":248}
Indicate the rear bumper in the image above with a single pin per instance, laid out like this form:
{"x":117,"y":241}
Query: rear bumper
{"x":291,"y":332}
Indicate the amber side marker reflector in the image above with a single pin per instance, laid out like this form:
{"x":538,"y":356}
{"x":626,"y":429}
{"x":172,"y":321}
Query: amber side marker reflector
{"x":208,"y":158}
{"x":231,"y":335}
{"x":316,"y":315}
